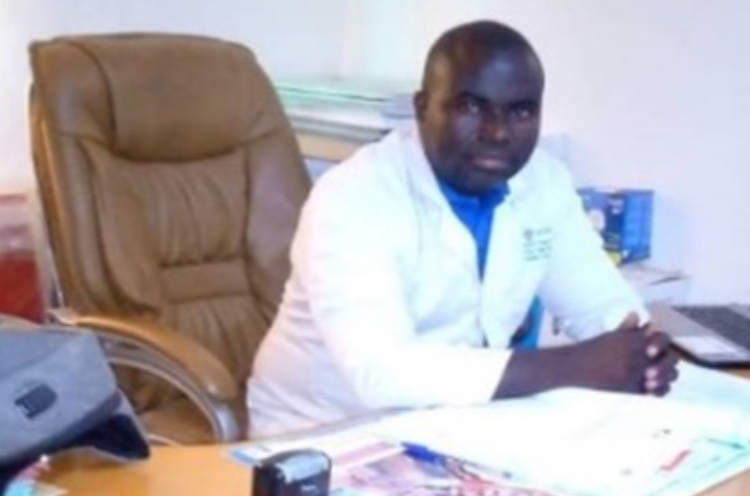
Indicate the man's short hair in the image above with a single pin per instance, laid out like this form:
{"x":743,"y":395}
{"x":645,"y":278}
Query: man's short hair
{"x":481,"y":38}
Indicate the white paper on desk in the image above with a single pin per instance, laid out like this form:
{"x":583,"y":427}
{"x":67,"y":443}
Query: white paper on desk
{"x":707,"y":475}
{"x":582,"y":442}
{"x":703,"y":385}
{"x":706,"y":389}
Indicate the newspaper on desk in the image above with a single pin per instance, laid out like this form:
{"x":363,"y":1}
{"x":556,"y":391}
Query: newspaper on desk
{"x":575,"y":442}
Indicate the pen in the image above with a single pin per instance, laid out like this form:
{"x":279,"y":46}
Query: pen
{"x":422,"y":453}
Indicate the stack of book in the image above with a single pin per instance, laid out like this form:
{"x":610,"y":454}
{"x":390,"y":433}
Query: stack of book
{"x":356,"y":110}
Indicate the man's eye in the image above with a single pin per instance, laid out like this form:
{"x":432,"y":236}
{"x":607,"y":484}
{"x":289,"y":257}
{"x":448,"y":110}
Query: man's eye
{"x":468,"y":106}
{"x":524,"y":110}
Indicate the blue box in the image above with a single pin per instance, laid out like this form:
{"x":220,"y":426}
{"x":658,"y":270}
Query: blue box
{"x":623,"y":217}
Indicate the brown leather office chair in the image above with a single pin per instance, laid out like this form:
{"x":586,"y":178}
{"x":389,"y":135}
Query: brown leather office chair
{"x":171,"y":183}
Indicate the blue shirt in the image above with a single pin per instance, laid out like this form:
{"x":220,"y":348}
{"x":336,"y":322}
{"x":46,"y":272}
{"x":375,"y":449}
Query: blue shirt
{"x":476,"y":213}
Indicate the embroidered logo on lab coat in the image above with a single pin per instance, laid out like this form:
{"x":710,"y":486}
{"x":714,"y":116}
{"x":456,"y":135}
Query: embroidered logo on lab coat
{"x":537,"y":244}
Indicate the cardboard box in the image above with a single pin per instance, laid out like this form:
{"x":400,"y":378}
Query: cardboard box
{"x":623,"y":217}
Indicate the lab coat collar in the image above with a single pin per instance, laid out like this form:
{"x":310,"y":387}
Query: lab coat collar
{"x":425,"y":183}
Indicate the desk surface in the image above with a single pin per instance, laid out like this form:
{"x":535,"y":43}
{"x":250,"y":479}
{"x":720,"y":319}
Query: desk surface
{"x":171,"y":471}
{"x":203,"y":471}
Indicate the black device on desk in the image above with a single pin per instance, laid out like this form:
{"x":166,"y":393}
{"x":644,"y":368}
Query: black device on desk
{"x":304,"y":472}
{"x":713,"y":335}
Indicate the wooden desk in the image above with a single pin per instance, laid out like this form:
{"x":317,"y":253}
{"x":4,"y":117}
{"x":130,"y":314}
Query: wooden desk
{"x":171,"y":471}
{"x":206,"y":471}
{"x":203,"y":471}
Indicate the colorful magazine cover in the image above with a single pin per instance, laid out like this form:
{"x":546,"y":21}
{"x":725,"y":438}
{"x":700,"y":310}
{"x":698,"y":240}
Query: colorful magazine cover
{"x":405,"y":473}
{"x":364,"y":465}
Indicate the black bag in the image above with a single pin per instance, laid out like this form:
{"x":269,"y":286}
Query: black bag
{"x":58,"y":392}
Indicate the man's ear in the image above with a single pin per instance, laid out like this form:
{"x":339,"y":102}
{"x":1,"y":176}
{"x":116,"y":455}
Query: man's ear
{"x":420,"y":104}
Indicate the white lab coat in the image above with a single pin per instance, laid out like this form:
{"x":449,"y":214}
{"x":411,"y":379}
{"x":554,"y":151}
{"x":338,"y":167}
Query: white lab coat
{"x":384,"y":306}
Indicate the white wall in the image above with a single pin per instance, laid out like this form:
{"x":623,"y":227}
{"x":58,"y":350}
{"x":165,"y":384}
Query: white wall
{"x":291,"y":37}
{"x":652,"y":93}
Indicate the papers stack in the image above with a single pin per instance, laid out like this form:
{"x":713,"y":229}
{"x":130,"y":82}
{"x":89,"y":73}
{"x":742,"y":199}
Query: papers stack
{"x":567,"y":442}
{"x":656,"y":285}
{"x":357,"y":110}
{"x":579,"y":442}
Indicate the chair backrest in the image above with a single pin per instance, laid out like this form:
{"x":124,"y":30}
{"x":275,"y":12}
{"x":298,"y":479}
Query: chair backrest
{"x":171,"y":183}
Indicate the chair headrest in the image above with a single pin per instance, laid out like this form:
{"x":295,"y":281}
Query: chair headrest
{"x":158,"y":97}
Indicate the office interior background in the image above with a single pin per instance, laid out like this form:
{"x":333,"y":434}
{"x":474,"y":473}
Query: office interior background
{"x":647,"y":93}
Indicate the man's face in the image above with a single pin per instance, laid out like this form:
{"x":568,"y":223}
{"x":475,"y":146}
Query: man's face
{"x":479,"y":118}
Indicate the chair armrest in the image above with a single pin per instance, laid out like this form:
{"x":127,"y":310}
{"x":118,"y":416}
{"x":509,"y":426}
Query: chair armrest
{"x":175,"y":358}
{"x":189,"y":356}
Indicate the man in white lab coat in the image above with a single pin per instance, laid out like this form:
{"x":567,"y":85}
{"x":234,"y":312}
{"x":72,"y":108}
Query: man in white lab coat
{"x":416,"y":261}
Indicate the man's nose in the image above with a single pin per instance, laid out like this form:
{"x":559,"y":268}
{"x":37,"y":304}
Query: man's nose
{"x":495,"y":127}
